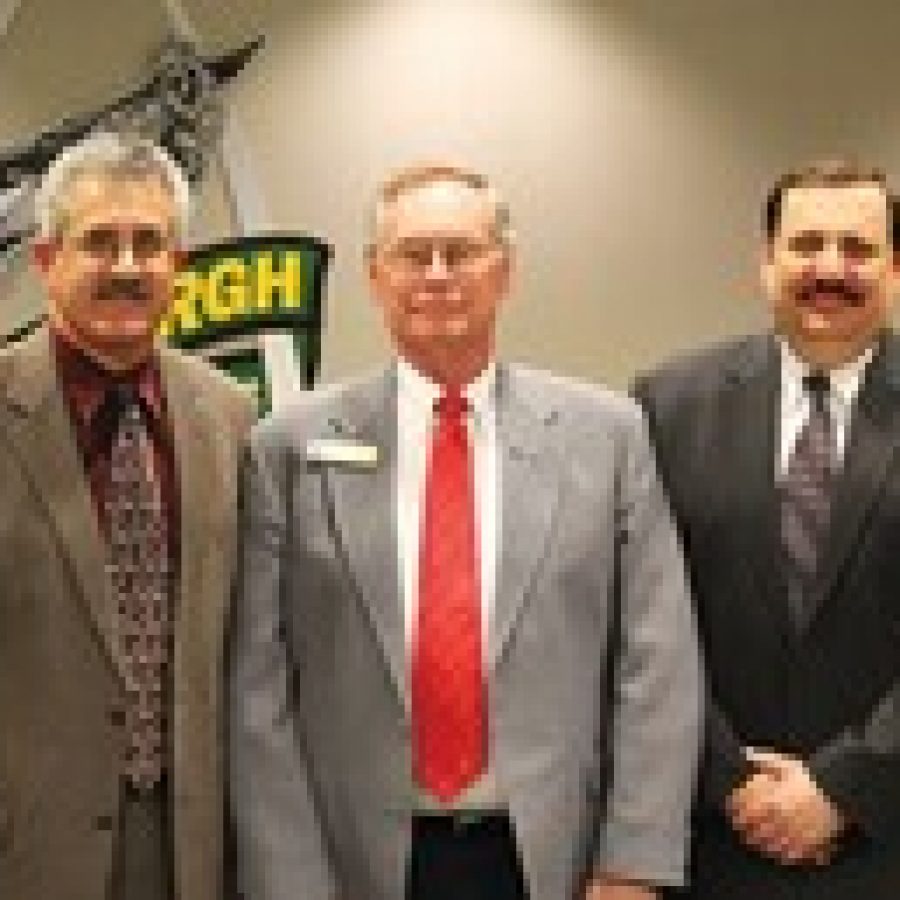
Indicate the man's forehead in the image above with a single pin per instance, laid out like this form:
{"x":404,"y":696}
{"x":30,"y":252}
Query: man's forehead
{"x":93,"y":194}
{"x":835,"y":206}
{"x":438,"y":206}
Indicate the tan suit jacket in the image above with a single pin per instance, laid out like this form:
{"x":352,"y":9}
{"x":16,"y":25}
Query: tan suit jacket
{"x":59,"y":681}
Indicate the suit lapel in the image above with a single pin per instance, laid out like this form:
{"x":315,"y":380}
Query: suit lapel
{"x":745,"y":446}
{"x":529,"y":489}
{"x":200,"y":484}
{"x":872,"y":442}
{"x":365,"y":516}
{"x":206,"y":491}
{"x":42,"y":435}
{"x":206,"y":477}
{"x":530,"y":484}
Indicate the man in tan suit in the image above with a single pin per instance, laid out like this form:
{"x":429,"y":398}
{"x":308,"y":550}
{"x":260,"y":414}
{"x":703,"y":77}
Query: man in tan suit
{"x":117,"y":519}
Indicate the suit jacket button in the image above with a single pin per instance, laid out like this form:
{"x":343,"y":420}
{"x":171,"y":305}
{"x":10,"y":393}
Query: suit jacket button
{"x":103,"y":823}
{"x":117,"y":715}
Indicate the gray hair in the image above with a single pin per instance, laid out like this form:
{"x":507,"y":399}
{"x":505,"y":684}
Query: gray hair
{"x":113,"y":155}
{"x":406,"y":180}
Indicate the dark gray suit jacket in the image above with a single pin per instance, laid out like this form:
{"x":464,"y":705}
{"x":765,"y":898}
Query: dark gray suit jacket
{"x":831,"y":693}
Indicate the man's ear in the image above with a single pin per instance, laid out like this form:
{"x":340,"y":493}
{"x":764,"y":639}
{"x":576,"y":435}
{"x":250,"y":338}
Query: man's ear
{"x":179,"y":257}
{"x":43,"y":251}
{"x":370,"y":260}
{"x":509,"y":260}
{"x":373,"y":268}
{"x":766,"y":253}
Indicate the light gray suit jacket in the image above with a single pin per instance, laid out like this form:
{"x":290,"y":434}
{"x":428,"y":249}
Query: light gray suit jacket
{"x":593,"y":663}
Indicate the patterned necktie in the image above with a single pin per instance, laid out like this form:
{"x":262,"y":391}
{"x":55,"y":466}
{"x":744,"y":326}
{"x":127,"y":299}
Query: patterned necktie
{"x":138,"y":566}
{"x":447,"y":684}
{"x":806,"y":500}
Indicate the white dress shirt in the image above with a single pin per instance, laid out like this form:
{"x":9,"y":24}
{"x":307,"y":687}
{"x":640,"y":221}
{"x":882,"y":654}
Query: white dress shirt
{"x":795,"y":401}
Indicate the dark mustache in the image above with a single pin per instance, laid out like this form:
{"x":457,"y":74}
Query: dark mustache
{"x":115,"y":288}
{"x":849,"y":290}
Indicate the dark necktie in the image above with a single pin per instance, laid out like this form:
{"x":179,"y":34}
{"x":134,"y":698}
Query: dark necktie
{"x":138,"y":566}
{"x":806,"y":500}
{"x":448,"y":699}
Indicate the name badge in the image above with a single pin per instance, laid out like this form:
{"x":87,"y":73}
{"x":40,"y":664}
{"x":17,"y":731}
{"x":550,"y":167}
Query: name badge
{"x":342,"y":454}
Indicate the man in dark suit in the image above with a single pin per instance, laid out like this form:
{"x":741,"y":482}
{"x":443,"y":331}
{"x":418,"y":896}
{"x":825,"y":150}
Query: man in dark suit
{"x":780,"y":456}
{"x":117,"y":531}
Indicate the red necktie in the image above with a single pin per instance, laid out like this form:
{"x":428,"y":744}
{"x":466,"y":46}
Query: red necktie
{"x":447,"y":685}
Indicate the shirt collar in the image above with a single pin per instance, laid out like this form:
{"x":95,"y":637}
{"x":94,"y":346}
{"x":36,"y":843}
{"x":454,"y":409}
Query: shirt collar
{"x":85,"y":382}
{"x":845,"y":379}
{"x":418,"y":393}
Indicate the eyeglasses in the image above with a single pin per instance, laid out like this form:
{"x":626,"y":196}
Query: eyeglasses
{"x":458,"y":256}
{"x":106,"y":245}
{"x":850,"y":246}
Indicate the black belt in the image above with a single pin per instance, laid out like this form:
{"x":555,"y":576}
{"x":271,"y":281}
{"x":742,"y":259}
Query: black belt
{"x":462,"y":821}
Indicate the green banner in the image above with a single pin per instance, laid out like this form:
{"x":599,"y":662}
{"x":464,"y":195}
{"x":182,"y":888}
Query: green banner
{"x":231,"y":294}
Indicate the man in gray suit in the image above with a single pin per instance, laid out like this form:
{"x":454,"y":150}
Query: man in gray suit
{"x":464,"y":661}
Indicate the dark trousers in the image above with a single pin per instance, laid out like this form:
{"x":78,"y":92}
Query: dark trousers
{"x":464,"y":857}
{"x":142,"y":858}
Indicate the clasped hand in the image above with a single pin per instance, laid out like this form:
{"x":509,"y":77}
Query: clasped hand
{"x":781,"y":811}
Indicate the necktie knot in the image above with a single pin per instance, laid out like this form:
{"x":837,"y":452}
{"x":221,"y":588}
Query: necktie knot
{"x":118,"y":399}
{"x":451,"y":405}
{"x":818,"y":386}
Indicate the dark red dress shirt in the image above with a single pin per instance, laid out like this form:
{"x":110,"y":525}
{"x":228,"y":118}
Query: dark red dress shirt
{"x":85,"y":386}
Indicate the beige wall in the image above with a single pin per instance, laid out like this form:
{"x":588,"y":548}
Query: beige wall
{"x":634,"y":139}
